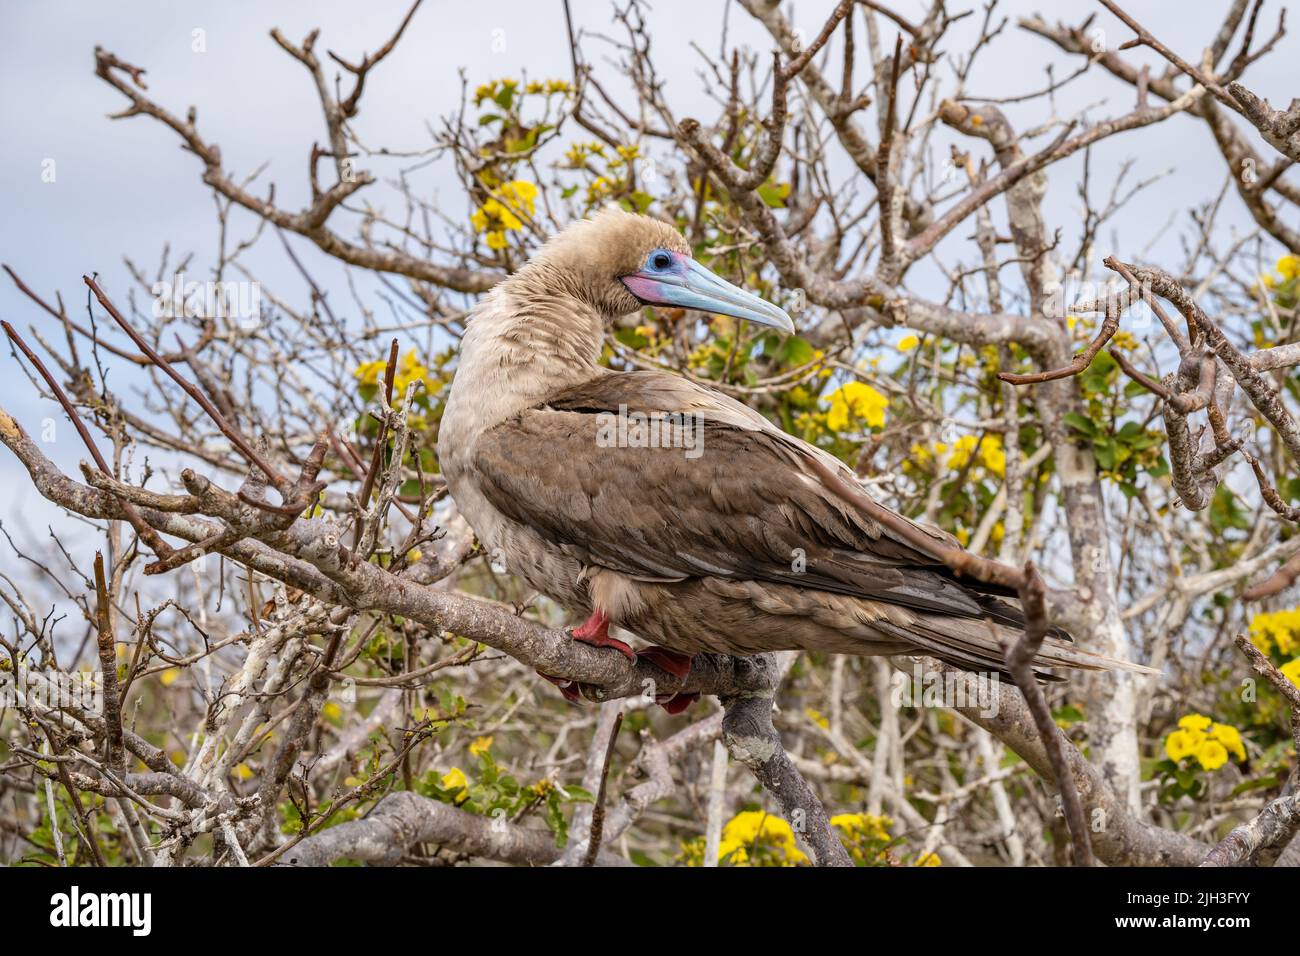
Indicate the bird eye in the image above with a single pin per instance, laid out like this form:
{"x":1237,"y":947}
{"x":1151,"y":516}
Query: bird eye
{"x":661,"y":260}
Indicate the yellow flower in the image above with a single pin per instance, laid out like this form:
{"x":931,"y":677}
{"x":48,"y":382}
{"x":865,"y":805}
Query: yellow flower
{"x":454,"y":780}
{"x":370,"y":373}
{"x":863,"y":824}
{"x":1180,"y":744}
{"x":490,"y":89}
{"x":244,"y":772}
{"x":995,"y":458}
{"x":1280,"y":629}
{"x":961,"y":451}
{"x":501,"y":211}
{"x":991,"y":454}
{"x":817,"y":717}
{"x":409,"y":369}
{"x":519,"y":194}
{"x":1289,"y":266}
{"x":494,"y":215}
{"x":866,"y":837}
{"x":930,"y":859}
{"x":856,"y":400}
{"x":1209,"y":742}
{"x":168,"y":677}
{"x":907,"y":343}
{"x":1212,"y":755}
{"x":332,"y":711}
{"x":598,"y":189}
{"x":1230,"y":737}
{"x":579,"y":153}
{"x":1291,"y":671}
{"x":480,"y":746}
{"x":1197,"y":723}
{"x":755,"y":827}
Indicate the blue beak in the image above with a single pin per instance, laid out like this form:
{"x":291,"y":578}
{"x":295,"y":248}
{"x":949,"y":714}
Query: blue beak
{"x":686,"y":284}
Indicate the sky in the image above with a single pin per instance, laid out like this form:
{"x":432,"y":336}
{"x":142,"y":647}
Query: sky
{"x":124,"y":188}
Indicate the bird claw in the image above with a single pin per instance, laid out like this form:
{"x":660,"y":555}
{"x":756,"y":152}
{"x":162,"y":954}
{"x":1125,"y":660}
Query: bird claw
{"x":569,"y":688}
{"x":596,"y":633}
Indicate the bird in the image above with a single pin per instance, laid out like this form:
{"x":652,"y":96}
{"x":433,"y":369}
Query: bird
{"x":646,"y":501}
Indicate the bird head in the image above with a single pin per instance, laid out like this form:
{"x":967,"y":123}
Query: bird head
{"x":617,"y":262}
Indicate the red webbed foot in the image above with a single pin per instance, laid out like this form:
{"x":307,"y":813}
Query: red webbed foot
{"x":677,"y":702}
{"x":674,"y":662}
{"x":596,"y":633}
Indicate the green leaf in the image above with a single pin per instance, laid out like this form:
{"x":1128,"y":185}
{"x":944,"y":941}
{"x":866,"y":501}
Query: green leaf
{"x":555,"y":819}
{"x":631,"y":338}
{"x":1081,"y":424}
{"x":1098,"y":376}
{"x":795,"y":352}
{"x":641,"y":201}
{"x":1225,"y":513}
{"x":1105,"y":452}
{"x":1069,"y":714}
{"x":774,"y":194}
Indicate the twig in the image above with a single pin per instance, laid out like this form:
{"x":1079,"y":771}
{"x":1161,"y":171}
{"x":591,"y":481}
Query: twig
{"x":1019,"y":658}
{"x":190,"y":389}
{"x":143,"y":529}
{"x":1109,"y":326}
{"x":598,"y":810}
{"x":114,"y":757}
{"x":1278,"y":581}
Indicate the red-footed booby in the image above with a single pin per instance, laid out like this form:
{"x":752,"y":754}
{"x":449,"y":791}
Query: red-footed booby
{"x":647,"y":501}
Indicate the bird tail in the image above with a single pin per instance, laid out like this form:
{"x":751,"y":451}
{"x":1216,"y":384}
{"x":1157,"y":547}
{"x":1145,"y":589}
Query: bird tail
{"x":978,"y":645}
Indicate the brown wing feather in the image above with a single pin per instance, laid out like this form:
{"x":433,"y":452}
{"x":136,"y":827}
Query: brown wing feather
{"x":747,"y":508}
